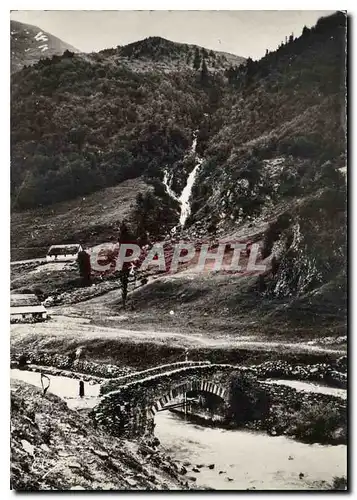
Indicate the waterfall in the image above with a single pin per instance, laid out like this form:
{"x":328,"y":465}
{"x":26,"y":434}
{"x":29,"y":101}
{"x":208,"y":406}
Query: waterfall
{"x":167,"y":183}
{"x":184,"y":198}
{"x":186,"y":194}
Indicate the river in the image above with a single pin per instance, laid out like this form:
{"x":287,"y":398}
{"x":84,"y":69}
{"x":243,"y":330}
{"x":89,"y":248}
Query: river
{"x":248,"y":459}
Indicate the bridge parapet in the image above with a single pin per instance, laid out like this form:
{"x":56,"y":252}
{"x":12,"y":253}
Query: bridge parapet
{"x":116,"y":383}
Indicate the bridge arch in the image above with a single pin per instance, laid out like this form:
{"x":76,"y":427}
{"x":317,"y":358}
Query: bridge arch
{"x":199,"y":386}
{"x":131,"y":403}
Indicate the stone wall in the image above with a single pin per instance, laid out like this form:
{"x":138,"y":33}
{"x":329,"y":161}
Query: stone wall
{"x":68,"y":362}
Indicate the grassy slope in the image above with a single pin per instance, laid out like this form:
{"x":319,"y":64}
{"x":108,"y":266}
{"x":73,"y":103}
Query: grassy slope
{"x":27,"y":50}
{"x":65,"y":450}
{"x":89,"y":220}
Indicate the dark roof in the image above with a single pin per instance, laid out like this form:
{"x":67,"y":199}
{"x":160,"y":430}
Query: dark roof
{"x":64,"y":249}
{"x":23,"y":299}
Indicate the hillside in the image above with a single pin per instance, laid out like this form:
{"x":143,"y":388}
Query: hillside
{"x":29,"y":44}
{"x":161,"y":55}
{"x":55,"y":448}
{"x":89,"y":220}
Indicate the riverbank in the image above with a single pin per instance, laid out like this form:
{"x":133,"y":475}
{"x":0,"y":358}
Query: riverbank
{"x":306,"y":416}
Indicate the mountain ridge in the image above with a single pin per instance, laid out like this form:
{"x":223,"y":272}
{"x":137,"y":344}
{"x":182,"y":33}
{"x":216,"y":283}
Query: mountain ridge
{"x":30,"y":43}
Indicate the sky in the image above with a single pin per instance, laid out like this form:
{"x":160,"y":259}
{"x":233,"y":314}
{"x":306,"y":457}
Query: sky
{"x":245,"y":33}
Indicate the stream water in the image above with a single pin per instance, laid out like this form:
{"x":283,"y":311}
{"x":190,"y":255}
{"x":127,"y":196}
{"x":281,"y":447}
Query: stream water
{"x":242,"y":459}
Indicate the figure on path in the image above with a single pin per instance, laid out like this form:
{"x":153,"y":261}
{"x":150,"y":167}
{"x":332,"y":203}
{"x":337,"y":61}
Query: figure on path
{"x":45,"y":382}
{"x":81,"y":388}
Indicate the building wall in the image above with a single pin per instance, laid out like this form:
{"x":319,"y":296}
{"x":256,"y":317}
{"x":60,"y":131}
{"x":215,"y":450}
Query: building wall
{"x":62,"y":258}
{"x":28,"y":315}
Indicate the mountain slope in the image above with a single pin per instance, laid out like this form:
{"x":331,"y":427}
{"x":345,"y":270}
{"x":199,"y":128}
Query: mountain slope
{"x":29,"y":44}
{"x":79,"y":126}
{"x":271,"y":134}
{"x":282,"y":119}
{"x":159,"y":54}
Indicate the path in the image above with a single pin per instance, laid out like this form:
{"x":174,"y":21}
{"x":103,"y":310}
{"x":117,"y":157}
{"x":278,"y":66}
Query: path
{"x":81,"y":329}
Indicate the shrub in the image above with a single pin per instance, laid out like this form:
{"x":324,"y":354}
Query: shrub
{"x":339,"y":483}
{"x":320,"y":423}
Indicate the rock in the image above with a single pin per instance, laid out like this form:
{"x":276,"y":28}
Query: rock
{"x":191,"y":478}
{"x":222,"y":472}
{"x":63,"y":454}
{"x":338,"y":434}
{"x":196,"y":470}
{"x":28,"y":447}
{"x":229,"y":479}
{"x":211,"y":466}
{"x":74,"y":465}
{"x":131,"y":482}
{"x":156,"y":442}
{"x":77,"y":487}
{"x":186,"y":464}
{"x":183,"y":470}
{"x":290,"y":457}
{"x":44,"y":447}
{"x":301,"y":475}
{"x":200,"y":466}
{"x":100,"y":453}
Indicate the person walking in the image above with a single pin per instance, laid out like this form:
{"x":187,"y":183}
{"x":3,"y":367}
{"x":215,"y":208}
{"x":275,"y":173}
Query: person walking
{"x":81,"y":388}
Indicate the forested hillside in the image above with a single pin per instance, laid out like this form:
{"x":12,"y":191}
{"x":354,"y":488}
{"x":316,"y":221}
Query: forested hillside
{"x":281,"y":120}
{"x":79,"y":125}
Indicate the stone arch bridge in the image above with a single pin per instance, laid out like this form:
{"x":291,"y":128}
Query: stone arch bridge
{"x":129,"y":403}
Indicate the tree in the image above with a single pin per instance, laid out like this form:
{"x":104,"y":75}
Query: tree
{"x":250,"y":69}
{"x":125,"y":236}
{"x":83,"y":261}
{"x":204,"y":72}
{"x":124,"y":282}
{"x":197,"y":60}
{"x":247,"y":401}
